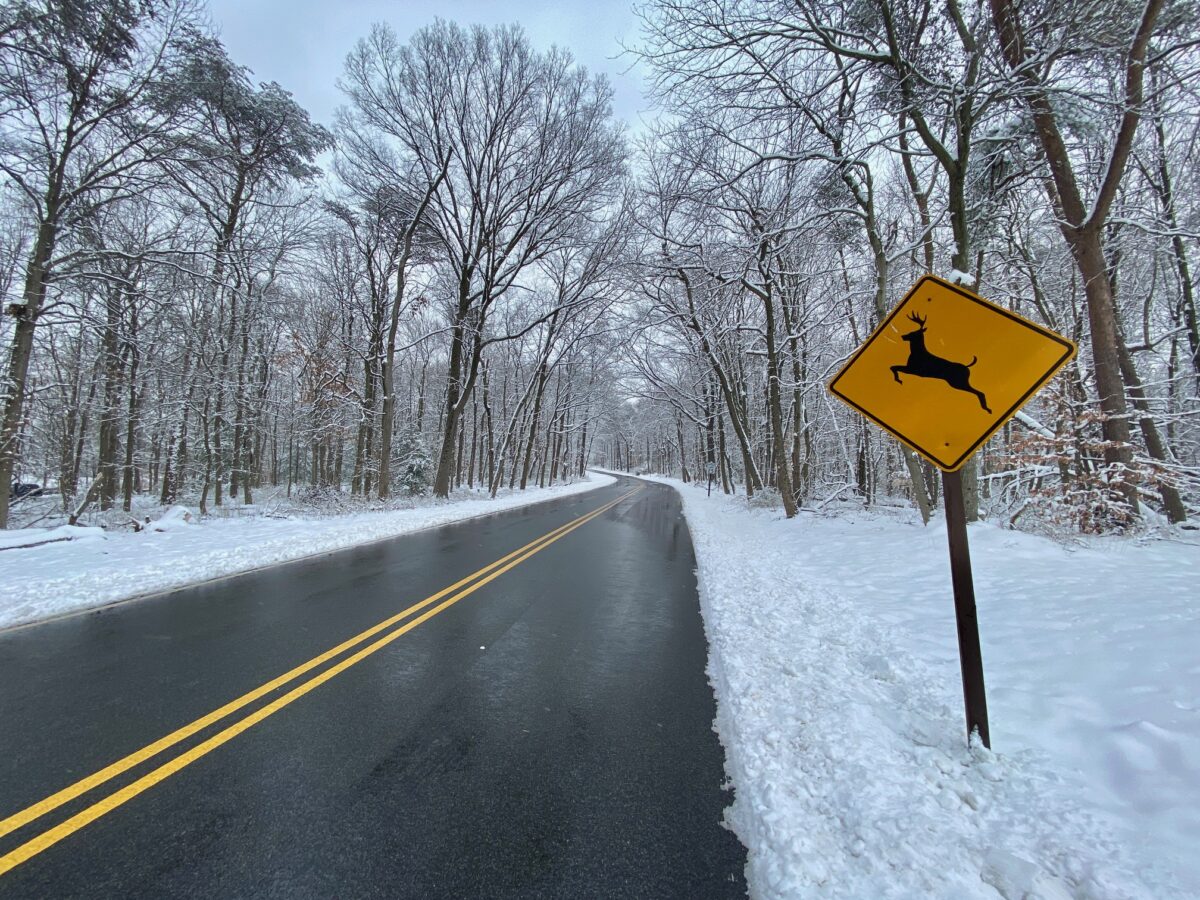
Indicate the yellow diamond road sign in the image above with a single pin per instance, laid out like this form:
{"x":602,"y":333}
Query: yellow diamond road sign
{"x":946,"y":369}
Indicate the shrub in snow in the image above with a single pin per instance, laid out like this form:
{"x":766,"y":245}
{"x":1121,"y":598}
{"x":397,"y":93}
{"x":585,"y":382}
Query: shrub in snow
{"x":1060,"y":482}
{"x":175,"y":517}
{"x":412,"y":464}
{"x":319,"y":495}
{"x":767,"y":498}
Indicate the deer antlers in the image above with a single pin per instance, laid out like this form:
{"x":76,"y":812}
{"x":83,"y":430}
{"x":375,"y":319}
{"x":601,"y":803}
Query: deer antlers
{"x":914,"y":317}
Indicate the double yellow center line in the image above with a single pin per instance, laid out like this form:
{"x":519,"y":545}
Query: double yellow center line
{"x":448,"y":597}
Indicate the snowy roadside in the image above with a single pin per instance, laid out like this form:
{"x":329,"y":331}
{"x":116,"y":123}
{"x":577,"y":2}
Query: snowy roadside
{"x":834,"y":661}
{"x":98,"y":567}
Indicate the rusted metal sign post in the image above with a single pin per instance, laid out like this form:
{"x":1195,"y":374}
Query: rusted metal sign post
{"x":970,"y":657}
{"x":911,"y":378}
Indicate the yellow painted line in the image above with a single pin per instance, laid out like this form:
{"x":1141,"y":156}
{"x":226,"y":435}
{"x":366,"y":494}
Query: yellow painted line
{"x":67,"y":794}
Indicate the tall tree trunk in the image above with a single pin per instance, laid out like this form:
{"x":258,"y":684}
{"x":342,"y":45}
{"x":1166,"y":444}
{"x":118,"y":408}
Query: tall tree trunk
{"x":109,"y":443}
{"x":879,"y":255}
{"x":237,"y":466}
{"x":135,"y":358}
{"x":583,"y":449}
{"x":491,"y":431}
{"x":535,"y":421}
{"x":208,"y":454}
{"x":1166,"y":196}
{"x":1082,"y":228}
{"x":420,"y":415}
{"x":387,"y":421}
{"x":80,"y":436}
{"x":683,"y":467}
{"x":1172,"y":502}
{"x":387,"y":367}
{"x":458,"y":459}
{"x":475,"y":441}
{"x":753,"y":479}
{"x":37,"y":276}
{"x":783,"y":481}
{"x":454,"y":371}
{"x":171,"y":491}
{"x":793,"y":342}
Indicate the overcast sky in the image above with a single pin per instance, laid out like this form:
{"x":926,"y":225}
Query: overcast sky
{"x":302,"y":43}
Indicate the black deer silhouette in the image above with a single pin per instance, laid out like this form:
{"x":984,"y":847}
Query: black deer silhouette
{"x":924,"y":364}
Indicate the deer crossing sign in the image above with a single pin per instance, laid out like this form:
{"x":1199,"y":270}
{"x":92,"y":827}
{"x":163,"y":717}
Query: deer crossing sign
{"x":946,"y":369}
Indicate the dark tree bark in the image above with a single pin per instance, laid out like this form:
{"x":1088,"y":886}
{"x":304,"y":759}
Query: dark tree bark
{"x":1083,"y":227}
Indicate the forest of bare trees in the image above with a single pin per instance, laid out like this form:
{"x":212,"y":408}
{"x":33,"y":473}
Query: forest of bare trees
{"x":816,"y":157}
{"x":207,"y":293}
{"x":477,"y":277}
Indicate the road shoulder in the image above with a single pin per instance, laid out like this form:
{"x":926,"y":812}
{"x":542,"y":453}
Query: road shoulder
{"x":102,"y":569}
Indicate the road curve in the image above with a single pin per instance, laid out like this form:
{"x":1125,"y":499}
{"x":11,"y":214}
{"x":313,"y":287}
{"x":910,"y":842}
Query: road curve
{"x":345,"y":726}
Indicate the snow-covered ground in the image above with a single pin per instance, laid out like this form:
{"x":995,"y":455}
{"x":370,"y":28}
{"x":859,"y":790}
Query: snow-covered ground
{"x":834,"y":660}
{"x":79,"y":568}
{"x":833,"y":656}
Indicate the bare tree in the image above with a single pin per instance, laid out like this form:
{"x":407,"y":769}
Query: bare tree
{"x":84,"y":111}
{"x":1033,"y":64}
{"x":529,"y":152}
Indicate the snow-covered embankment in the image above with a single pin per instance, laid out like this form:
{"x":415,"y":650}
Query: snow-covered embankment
{"x":834,"y":661}
{"x":97,"y":567}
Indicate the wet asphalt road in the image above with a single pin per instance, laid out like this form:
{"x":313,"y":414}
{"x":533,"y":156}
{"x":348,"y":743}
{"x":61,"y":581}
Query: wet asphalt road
{"x":549,"y":735}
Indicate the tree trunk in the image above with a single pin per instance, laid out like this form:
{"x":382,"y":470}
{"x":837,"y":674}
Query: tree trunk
{"x":1166,"y":196}
{"x":1080,"y":226}
{"x":783,"y":481}
{"x":171,"y":491}
{"x":1172,"y":502}
{"x":535,"y":421}
{"x":1089,"y":256}
{"x":127,"y":485}
{"x":455,"y":390}
{"x":110,"y":402}
{"x":37,"y":276}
